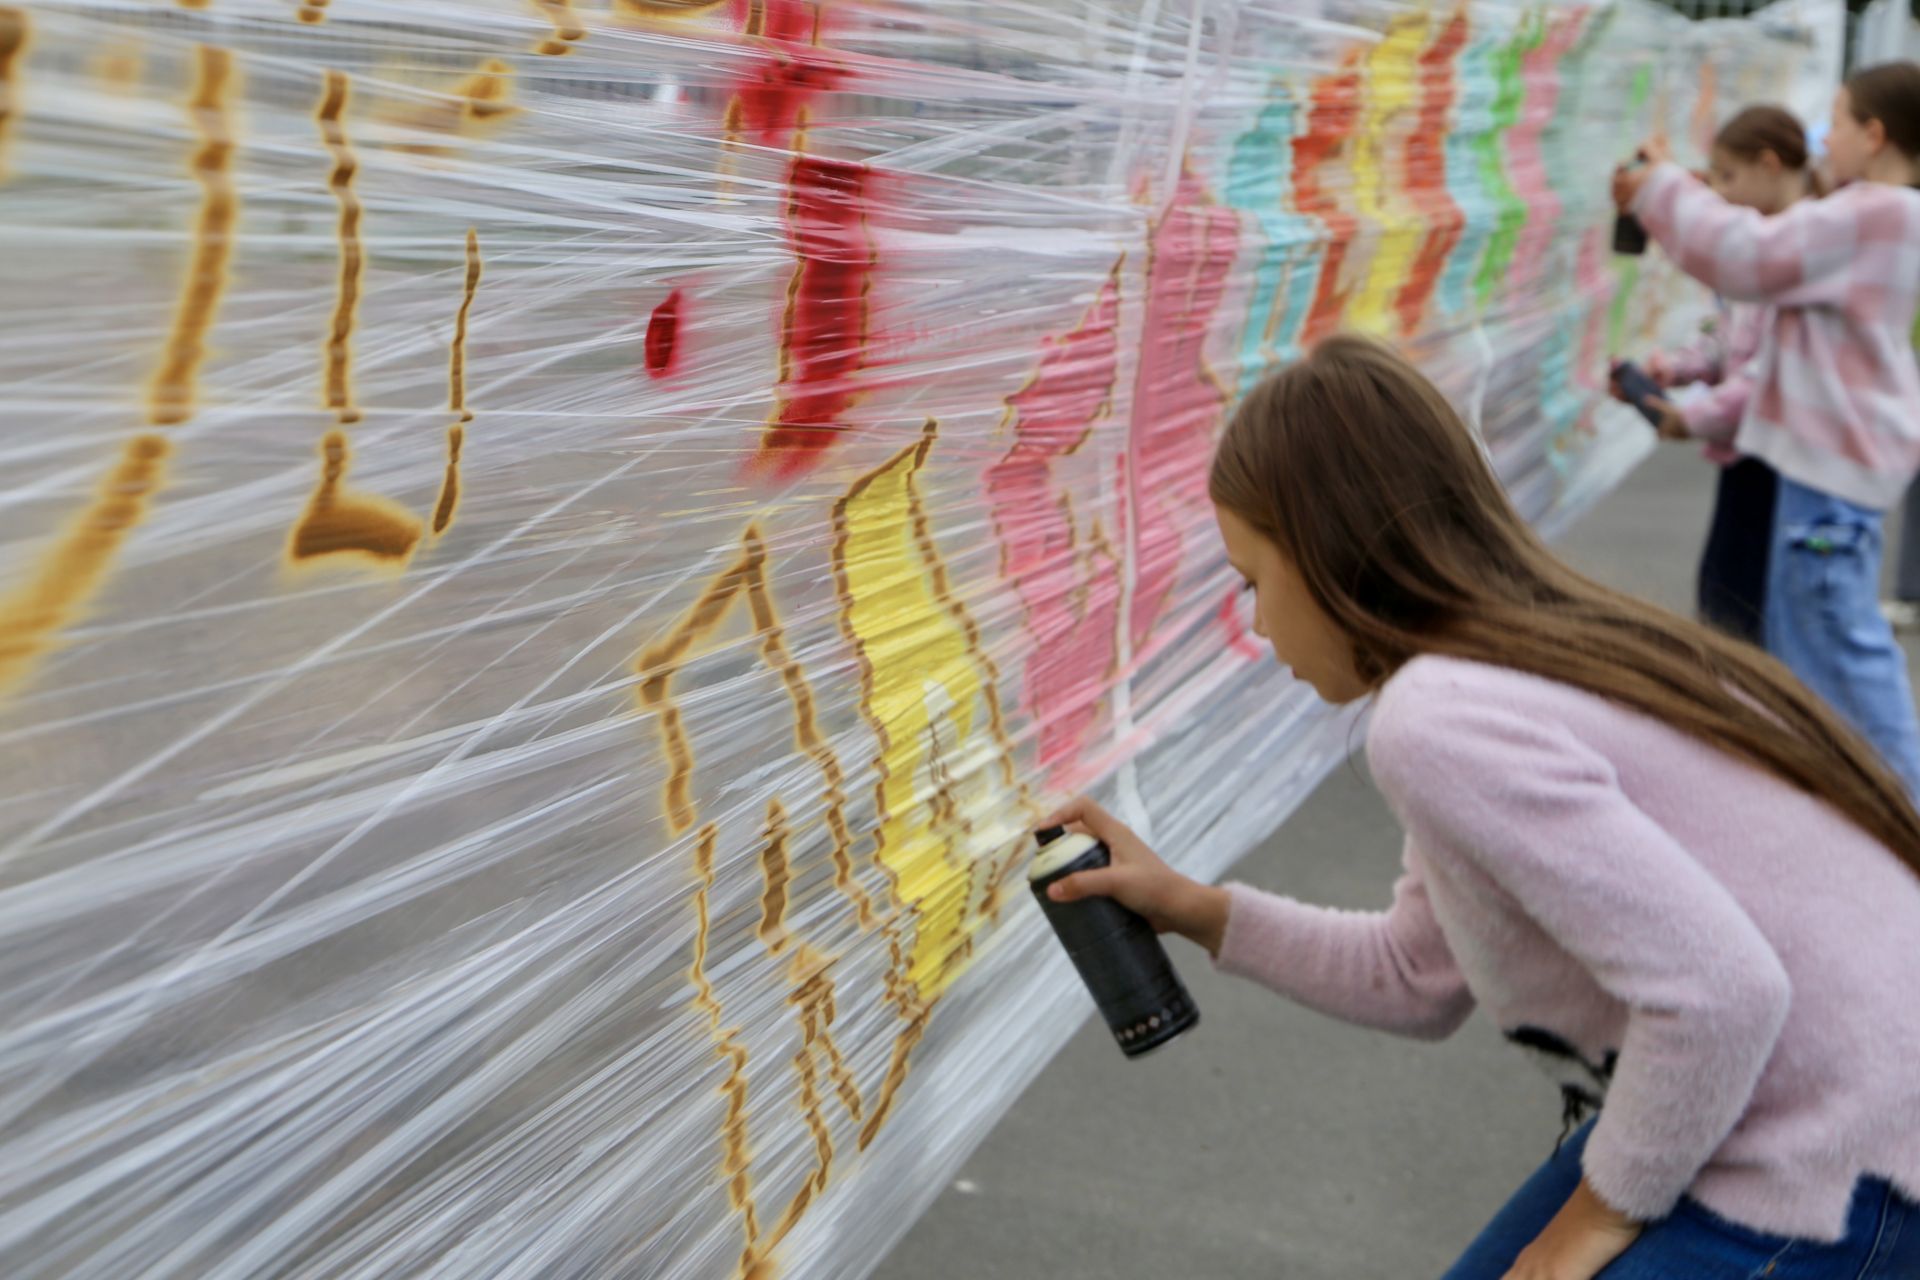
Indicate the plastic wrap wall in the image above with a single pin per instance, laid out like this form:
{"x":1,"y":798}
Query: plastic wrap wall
{"x":550,"y":552}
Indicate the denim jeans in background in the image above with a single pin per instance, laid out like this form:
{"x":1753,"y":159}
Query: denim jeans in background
{"x":1824,"y":620}
{"x":1882,"y":1241}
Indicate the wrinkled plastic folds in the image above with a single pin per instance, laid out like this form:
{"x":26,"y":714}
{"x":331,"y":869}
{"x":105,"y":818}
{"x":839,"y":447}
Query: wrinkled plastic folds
{"x":550,"y":554}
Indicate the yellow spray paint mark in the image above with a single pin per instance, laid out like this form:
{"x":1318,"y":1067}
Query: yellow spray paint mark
{"x":338,"y":521}
{"x":171,"y":395}
{"x":67,"y":578}
{"x":338,"y":350}
{"x":313,"y":11}
{"x":924,"y":679}
{"x":1391,"y":93}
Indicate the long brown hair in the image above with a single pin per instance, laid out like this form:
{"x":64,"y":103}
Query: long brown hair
{"x":1360,"y":471}
{"x":1889,"y":93}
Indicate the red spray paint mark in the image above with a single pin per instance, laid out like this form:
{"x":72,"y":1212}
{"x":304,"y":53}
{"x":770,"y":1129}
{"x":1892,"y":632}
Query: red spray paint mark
{"x":1177,"y":404}
{"x":1526,"y":159}
{"x":824,"y":334}
{"x":663,"y":337}
{"x":770,"y":100}
{"x":1239,"y":639}
{"x":1071,"y":594}
{"x":1426,"y":179}
{"x":1331,"y":120}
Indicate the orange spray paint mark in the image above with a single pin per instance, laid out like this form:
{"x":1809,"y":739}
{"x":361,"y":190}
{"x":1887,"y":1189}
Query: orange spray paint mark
{"x":487,"y":94}
{"x":1426,"y":171}
{"x":1330,"y":124}
{"x":823,"y":336}
{"x":13,"y":47}
{"x":313,"y":11}
{"x":337,"y":522}
{"x":566,"y":26}
{"x":73,"y":570}
{"x":171,"y":394}
{"x":338,"y":350}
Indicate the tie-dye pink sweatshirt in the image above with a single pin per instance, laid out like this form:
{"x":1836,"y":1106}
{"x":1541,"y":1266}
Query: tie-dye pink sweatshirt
{"x":1722,"y":960}
{"x":1836,"y":396}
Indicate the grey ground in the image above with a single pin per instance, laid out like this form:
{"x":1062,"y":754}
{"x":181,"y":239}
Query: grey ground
{"x":1275,"y":1142}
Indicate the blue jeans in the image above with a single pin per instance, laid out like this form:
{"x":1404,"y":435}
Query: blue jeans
{"x":1823,"y":620}
{"x":1882,"y":1241}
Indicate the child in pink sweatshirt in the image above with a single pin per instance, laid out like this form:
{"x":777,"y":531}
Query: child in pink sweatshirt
{"x":1835,"y":408}
{"x":1652,"y":857}
{"x":1758,"y":161}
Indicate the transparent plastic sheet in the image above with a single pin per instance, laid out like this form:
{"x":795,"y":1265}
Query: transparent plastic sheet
{"x":550,"y":553}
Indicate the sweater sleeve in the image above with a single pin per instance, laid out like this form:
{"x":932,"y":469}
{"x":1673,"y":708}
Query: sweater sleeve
{"x":1390,"y":970}
{"x":1542,"y":814}
{"x":1804,"y":256}
{"x":1715,"y":414}
{"x":1697,"y":361}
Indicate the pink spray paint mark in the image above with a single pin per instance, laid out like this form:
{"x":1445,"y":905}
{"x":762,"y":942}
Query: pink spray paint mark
{"x":1526,"y":159}
{"x":1070,"y":592}
{"x":1177,"y":405}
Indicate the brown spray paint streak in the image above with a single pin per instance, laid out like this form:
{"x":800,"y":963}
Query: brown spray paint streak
{"x":340,"y":522}
{"x":776,"y":874}
{"x":339,"y":348}
{"x":566,"y":27}
{"x":32,"y":615}
{"x":312,"y":11}
{"x":737,"y":1153}
{"x":171,"y":395}
{"x":14,"y":31}
{"x":812,"y":994}
{"x":658,"y":665}
{"x":443,"y":510}
{"x":806,"y":728}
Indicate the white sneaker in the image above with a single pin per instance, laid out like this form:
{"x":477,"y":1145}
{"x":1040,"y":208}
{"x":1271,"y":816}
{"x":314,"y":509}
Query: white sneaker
{"x":1903,"y":614}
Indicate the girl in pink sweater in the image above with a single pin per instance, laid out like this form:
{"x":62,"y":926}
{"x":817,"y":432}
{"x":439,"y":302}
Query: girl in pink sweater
{"x":1648,"y":853}
{"x":1758,"y":161}
{"x":1835,"y":408}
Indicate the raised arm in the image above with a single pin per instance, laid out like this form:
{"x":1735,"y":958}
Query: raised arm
{"x":1805,"y":256}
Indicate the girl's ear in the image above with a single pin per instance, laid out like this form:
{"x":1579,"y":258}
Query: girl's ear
{"x":1876,"y":132}
{"x":1769,"y":161}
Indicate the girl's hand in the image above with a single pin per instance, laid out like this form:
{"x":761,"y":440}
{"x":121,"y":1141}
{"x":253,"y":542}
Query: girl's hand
{"x":1628,"y":179}
{"x":1139,"y":881}
{"x":1582,"y":1239}
{"x":1672,"y":426}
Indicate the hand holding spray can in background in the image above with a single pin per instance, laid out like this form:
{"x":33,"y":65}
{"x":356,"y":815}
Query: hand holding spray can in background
{"x":1629,"y":237}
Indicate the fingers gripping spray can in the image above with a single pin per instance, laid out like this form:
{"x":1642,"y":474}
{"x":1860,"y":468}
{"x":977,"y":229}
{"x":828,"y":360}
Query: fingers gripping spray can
{"x":1117,"y":953}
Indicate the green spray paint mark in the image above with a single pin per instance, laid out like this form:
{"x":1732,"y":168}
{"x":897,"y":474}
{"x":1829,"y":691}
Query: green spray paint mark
{"x":1510,"y":210}
{"x":1626,"y":274}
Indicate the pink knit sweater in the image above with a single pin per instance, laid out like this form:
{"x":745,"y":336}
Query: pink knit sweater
{"x":1836,"y":396}
{"x":1724,"y":959}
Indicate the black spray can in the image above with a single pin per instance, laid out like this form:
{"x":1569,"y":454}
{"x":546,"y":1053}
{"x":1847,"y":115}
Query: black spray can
{"x":1117,"y":952}
{"x":1629,"y":233}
